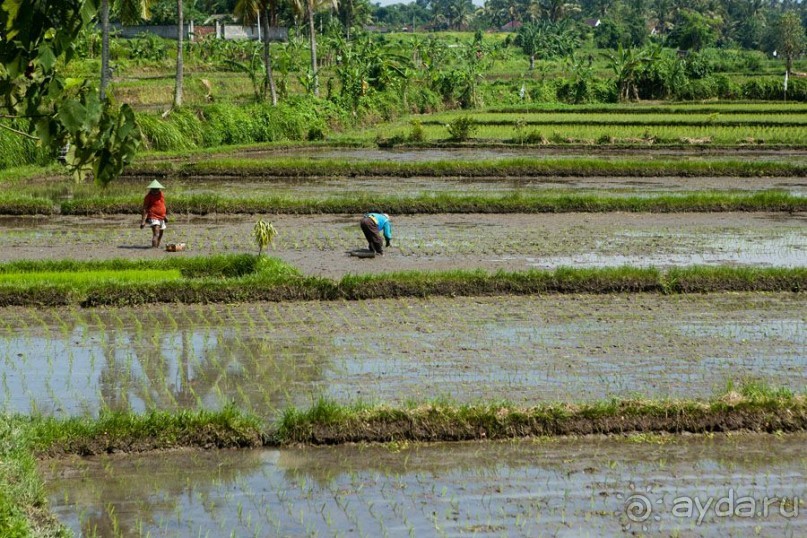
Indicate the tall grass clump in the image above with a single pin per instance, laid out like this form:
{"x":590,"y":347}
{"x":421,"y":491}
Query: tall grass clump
{"x":225,"y":124}
{"x":22,"y":495}
{"x":162,"y":134}
{"x":25,"y":205}
{"x":18,"y":150}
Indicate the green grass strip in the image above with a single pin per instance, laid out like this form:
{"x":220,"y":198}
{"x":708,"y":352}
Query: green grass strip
{"x":221,"y":266}
{"x":86,"y":279}
{"x":753,"y":408}
{"x":26,"y":205}
{"x":24,"y":174}
{"x":636,"y":122}
{"x":516,"y":167}
{"x":157,"y":430}
{"x":273,"y":280}
{"x":725,"y":108}
{"x":453,"y":203}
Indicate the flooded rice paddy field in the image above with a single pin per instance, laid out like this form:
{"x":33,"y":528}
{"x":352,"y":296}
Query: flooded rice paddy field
{"x":319,"y":244}
{"x":266,"y":356}
{"x":693,"y":486}
{"x":748,"y":152}
{"x":417,"y":186}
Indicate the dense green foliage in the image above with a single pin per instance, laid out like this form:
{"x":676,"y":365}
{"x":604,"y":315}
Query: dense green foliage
{"x":36,"y":39}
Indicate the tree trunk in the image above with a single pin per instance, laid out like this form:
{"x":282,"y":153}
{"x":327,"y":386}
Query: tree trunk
{"x":180,"y":66}
{"x":104,"y":48}
{"x":269,"y":80}
{"x":532,"y":62}
{"x":313,"y":32}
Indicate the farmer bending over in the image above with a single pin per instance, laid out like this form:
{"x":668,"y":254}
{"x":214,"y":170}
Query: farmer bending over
{"x":373,"y":224}
{"x":154,"y":212}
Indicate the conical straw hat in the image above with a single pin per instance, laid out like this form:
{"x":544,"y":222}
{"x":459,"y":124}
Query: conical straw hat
{"x":155,"y":185}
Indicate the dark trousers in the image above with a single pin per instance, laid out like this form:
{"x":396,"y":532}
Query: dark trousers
{"x":371,"y":232}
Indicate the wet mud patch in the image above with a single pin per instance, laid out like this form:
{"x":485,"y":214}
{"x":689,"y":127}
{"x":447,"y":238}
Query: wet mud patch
{"x":318,"y":244}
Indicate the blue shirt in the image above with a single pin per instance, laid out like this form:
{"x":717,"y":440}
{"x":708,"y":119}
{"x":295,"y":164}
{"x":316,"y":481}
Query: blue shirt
{"x":384,"y":224}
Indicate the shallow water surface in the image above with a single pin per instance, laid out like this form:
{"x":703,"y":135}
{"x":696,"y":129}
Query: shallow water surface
{"x":318,"y":244}
{"x":562,"y":487}
{"x":264,"y":357}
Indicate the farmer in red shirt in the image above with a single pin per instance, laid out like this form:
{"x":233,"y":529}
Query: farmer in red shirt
{"x":154,"y":212}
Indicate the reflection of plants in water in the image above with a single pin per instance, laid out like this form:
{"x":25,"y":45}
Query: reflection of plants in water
{"x":125,"y":497}
{"x":168,"y":362}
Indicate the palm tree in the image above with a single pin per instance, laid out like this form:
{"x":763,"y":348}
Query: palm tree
{"x":353,"y":13}
{"x":249,"y":11}
{"x":180,"y":66}
{"x":130,"y":12}
{"x":104,"y":48}
{"x":310,"y":7}
{"x":553,"y":10}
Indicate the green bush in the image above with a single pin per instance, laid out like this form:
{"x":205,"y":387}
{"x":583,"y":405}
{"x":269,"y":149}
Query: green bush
{"x":462,"y":128}
{"x":147,"y":46}
{"x":772,"y":89}
{"x":727,"y":88}
{"x":697,"y":89}
{"x":416,"y":134}
{"x":543,"y":92}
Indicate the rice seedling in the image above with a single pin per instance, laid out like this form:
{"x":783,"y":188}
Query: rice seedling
{"x":278,"y":168}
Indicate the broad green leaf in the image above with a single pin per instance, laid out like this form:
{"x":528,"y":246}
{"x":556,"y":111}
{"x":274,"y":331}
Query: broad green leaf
{"x":46,"y":57}
{"x":72,"y":115}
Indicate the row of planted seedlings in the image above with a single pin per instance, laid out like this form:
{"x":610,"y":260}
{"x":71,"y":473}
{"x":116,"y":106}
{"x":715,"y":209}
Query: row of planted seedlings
{"x":634,"y":109}
{"x":33,"y":183}
{"x":585,"y":131}
{"x":600,"y":119}
{"x":49,"y":197}
{"x":430,"y":203}
{"x":265,"y":356}
{"x":673,"y":125}
{"x":437,"y":203}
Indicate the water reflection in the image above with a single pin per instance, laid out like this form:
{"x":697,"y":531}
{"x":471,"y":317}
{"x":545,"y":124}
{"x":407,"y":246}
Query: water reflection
{"x":77,"y":362}
{"x":568,"y":487}
{"x":530,"y":349}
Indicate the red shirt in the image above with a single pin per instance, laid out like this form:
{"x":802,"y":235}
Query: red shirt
{"x":154,"y":204}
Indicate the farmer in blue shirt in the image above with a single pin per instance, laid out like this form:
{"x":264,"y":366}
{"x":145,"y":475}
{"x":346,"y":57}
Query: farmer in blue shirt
{"x":373,"y":225}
